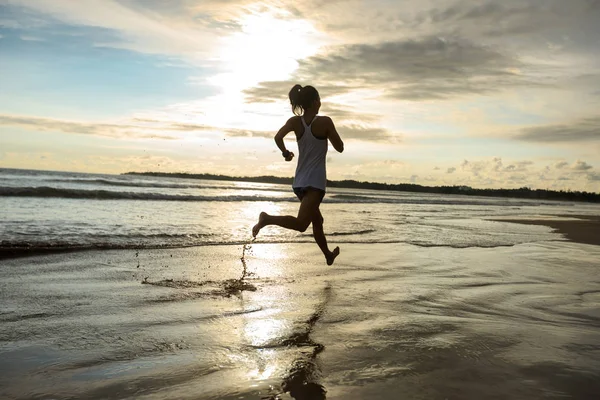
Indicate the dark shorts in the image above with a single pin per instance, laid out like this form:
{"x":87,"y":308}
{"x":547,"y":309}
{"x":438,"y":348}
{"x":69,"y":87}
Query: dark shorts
{"x":301,"y":191}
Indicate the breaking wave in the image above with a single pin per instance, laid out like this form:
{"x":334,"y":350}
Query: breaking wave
{"x":46,"y":191}
{"x":148,"y":184}
{"x":52,"y":192}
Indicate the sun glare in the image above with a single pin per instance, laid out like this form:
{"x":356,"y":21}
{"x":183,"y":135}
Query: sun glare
{"x":265,"y":49}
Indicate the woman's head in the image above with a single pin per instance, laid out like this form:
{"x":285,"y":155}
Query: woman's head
{"x":303,"y":98}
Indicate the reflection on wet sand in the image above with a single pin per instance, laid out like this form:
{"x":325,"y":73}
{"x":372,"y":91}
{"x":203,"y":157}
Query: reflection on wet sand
{"x":509,"y":323}
{"x":302,"y":378}
{"x":302,"y":381}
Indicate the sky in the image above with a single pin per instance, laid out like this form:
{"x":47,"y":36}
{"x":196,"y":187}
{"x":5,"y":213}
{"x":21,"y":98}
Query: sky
{"x":496,"y":94}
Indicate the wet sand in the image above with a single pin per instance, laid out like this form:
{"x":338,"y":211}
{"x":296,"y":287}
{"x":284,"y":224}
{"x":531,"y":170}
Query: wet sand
{"x":580,"y":229}
{"x":388,"y":321}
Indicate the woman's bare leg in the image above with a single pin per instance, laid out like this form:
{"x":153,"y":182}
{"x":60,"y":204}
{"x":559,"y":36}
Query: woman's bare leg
{"x":310,"y":203}
{"x":319,"y":235}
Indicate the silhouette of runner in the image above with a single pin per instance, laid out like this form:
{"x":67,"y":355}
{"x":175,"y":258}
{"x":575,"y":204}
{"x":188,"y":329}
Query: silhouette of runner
{"x":312,"y":132}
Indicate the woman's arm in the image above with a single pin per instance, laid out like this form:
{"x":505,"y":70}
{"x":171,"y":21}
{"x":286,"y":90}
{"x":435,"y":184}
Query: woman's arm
{"x":283,"y":131}
{"x":334,"y":136}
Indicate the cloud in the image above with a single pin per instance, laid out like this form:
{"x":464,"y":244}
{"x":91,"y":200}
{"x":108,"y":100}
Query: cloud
{"x":495,"y":167}
{"x":82,"y":128}
{"x":234,"y":132}
{"x":345,"y":113}
{"x":368,"y":133}
{"x":450,"y":170}
{"x":385,"y":19}
{"x":581,"y":166}
{"x":27,"y":38}
{"x":582,"y":130}
{"x":136,"y":128}
{"x":468,"y":11}
{"x":389,"y":170}
{"x":561,"y":164}
{"x":140,"y":27}
{"x":493,"y":173}
{"x":409,"y":69}
{"x":519,"y":166}
{"x":518,"y":17}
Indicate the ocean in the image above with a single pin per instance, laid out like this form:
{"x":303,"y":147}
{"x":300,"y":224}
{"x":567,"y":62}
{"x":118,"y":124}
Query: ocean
{"x":44,"y":209}
{"x":158,"y":292}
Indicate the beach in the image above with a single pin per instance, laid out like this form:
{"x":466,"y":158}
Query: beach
{"x":385,"y":321}
{"x":299,"y":200}
{"x":126,"y":287}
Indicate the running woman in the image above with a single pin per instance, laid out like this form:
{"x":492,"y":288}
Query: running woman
{"x":312,"y":133}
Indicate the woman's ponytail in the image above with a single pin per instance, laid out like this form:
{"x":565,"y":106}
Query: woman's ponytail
{"x":296,"y":99}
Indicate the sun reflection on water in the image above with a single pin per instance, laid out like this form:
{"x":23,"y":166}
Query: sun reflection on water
{"x":262,"y":373}
{"x":252,"y":210}
{"x":263,"y":331}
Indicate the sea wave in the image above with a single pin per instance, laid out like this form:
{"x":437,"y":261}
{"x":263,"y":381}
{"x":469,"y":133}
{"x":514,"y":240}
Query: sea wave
{"x":150,"y":184}
{"x":52,"y":192}
{"x":112,"y":182}
{"x":45,"y":191}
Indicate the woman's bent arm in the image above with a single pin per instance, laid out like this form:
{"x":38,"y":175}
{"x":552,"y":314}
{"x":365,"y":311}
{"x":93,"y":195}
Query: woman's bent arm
{"x":285,"y":129}
{"x":334,"y":136}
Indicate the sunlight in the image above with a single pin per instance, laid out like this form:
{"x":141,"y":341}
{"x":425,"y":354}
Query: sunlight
{"x":262,"y":331}
{"x":266,"y":49}
{"x":252,"y":210}
{"x":262,"y":373}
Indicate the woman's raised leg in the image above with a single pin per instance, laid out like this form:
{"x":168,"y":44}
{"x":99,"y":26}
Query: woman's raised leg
{"x":310,"y":203}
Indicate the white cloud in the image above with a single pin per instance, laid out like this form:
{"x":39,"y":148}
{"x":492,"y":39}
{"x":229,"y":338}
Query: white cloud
{"x":31,"y":38}
{"x":143,"y":30}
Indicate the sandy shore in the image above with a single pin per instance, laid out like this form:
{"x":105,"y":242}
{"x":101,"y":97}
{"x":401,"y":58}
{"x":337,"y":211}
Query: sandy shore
{"x":580,"y":229}
{"x":387,"y":320}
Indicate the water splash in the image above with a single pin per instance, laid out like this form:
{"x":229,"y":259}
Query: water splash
{"x":243,"y":259}
{"x":228,"y":287}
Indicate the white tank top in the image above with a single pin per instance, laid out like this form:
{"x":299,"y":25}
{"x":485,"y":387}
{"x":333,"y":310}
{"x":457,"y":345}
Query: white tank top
{"x":312,"y":151}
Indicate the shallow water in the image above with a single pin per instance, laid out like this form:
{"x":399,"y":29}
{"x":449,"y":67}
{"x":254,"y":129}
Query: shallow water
{"x":41,"y":209}
{"x":388,"y":321}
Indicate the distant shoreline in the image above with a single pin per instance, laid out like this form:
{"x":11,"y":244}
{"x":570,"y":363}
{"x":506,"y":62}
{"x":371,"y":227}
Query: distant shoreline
{"x":521,"y":193}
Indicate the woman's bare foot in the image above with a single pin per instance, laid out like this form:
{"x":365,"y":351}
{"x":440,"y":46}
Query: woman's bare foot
{"x":332,"y":256}
{"x":261,"y":223}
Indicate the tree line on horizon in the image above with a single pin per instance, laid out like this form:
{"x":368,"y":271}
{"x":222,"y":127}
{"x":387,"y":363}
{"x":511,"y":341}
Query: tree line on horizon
{"x":523,"y":192}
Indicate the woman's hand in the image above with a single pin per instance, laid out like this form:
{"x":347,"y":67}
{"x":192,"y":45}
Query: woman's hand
{"x":288,"y":156}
